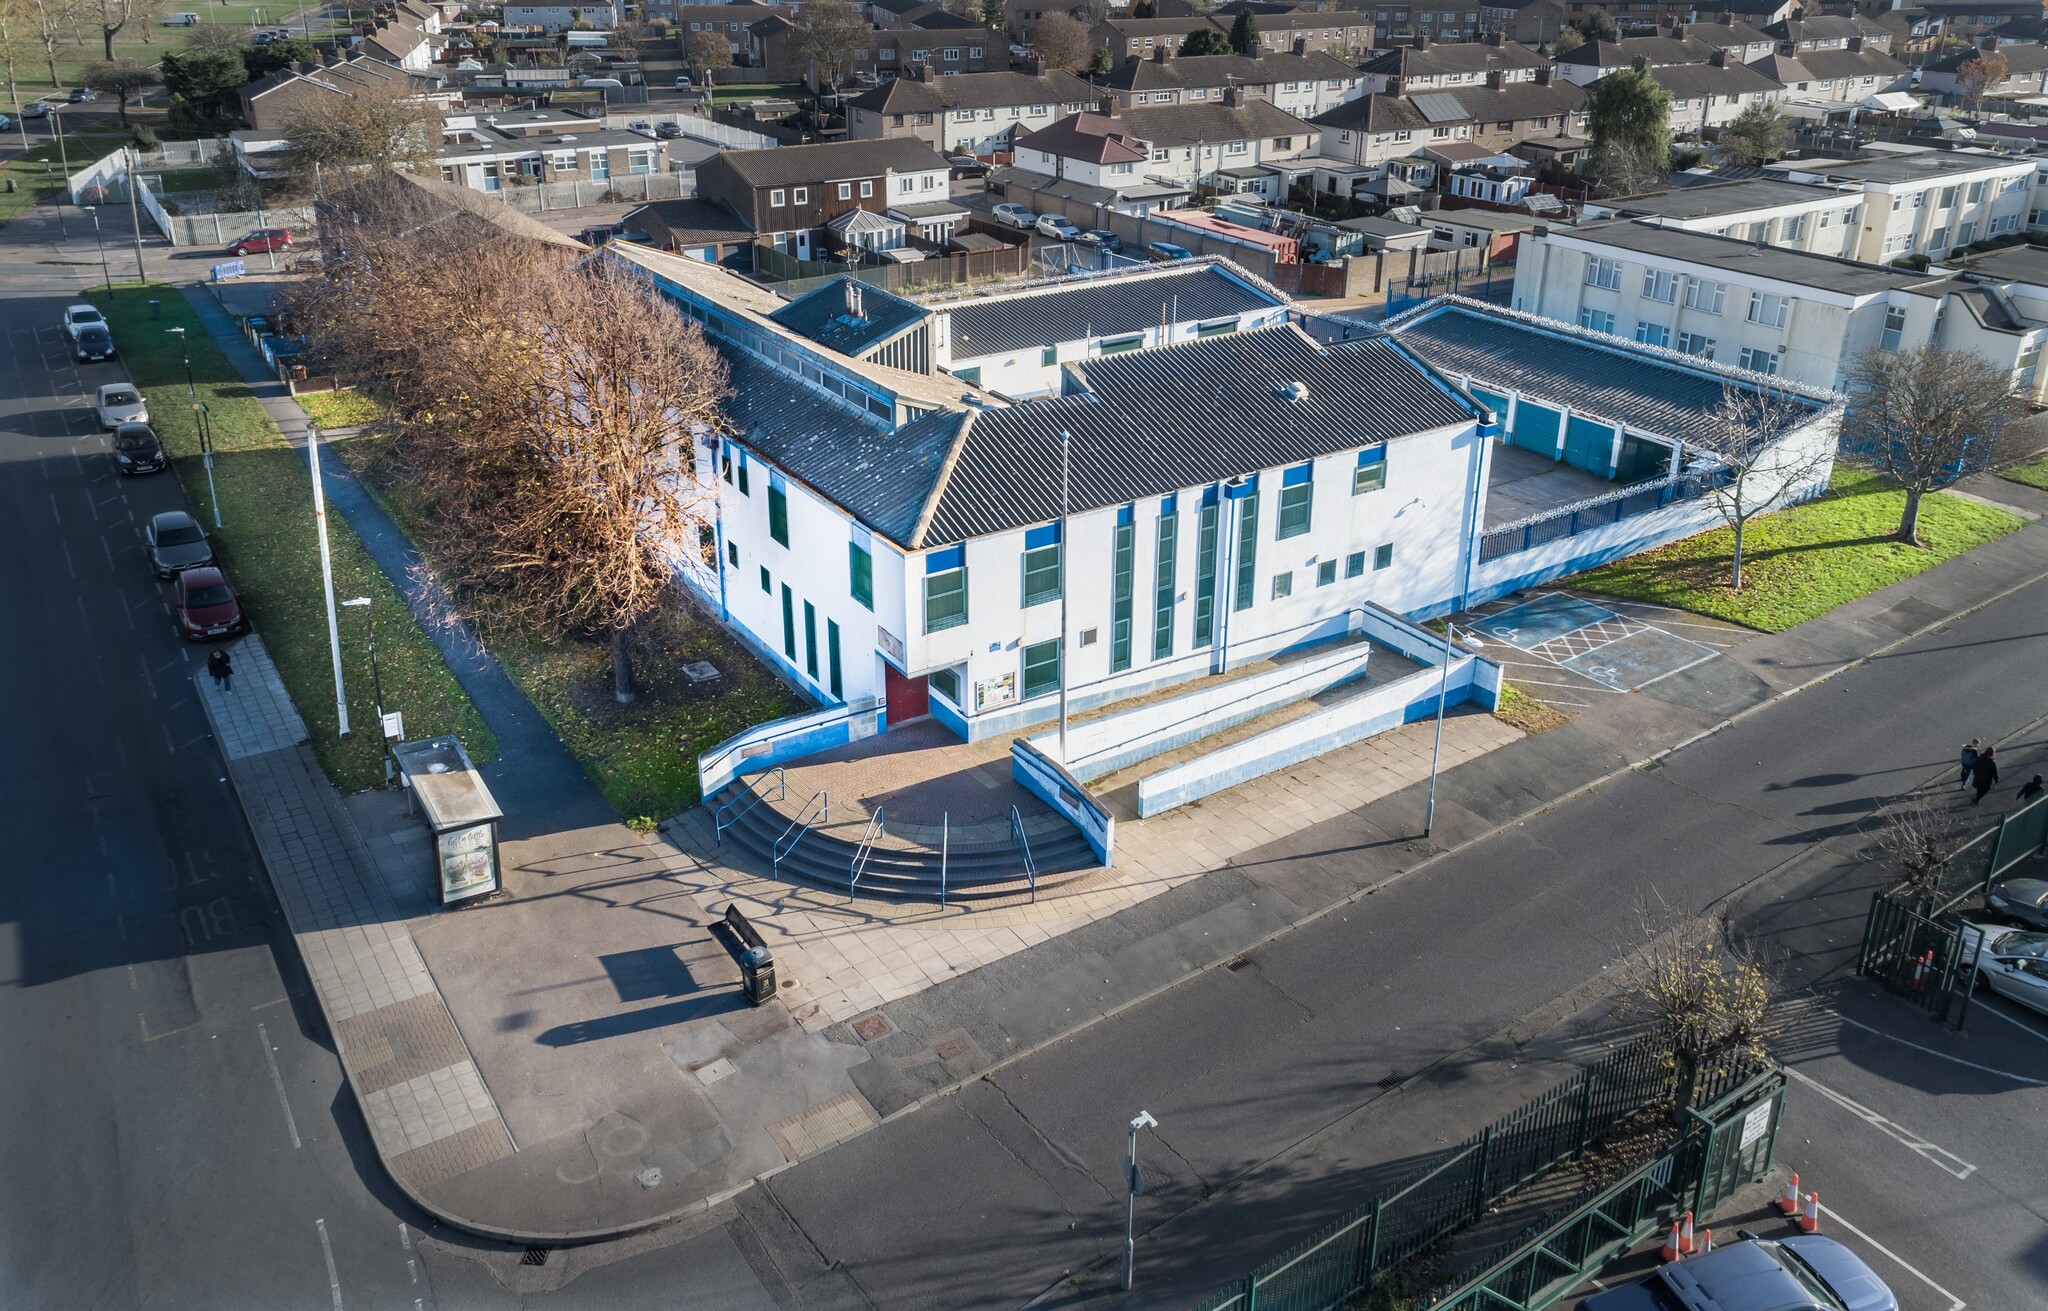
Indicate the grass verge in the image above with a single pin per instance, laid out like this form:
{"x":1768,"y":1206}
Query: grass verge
{"x":1806,"y":560}
{"x":2034,"y":473}
{"x":268,"y":546}
{"x":37,"y":174}
{"x":642,"y":755}
{"x":1519,"y":709}
{"x":339,"y":409}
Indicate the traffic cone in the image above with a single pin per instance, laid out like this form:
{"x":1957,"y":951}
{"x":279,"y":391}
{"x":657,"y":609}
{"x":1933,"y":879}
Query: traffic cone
{"x":1706,"y":1241}
{"x":1685,"y":1243}
{"x":1789,"y":1203}
{"x":1809,"y":1219}
{"x":1920,"y":970}
{"x":1670,"y":1252}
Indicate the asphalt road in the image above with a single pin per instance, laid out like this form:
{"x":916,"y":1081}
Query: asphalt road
{"x":178,"y":1134}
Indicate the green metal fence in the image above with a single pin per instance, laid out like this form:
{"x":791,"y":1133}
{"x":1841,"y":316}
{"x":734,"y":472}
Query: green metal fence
{"x":1730,"y":1145}
{"x":1460,"y":1184}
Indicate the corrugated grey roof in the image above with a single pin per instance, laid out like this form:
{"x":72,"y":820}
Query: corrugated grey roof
{"x":1155,"y":422}
{"x":881,"y":478}
{"x":824,"y":316}
{"x":1607,"y":382}
{"x":1102,"y":308}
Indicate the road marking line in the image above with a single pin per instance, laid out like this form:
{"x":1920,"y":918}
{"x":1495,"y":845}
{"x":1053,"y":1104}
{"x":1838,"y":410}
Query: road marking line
{"x":1913,"y":1142}
{"x":1988,"y":1069}
{"x":69,"y":567}
{"x":54,"y":513}
{"x":404,"y":1236}
{"x":1954,"y":1303}
{"x":334,"y":1280}
{"x":2009,"y":1019}
{"x":277,"y":1081}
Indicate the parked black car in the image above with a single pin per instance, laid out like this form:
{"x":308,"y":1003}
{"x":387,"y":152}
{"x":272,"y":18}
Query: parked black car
{"x":967,"y":166}
{"x":94,"y":342}
{"x":137,"y":450}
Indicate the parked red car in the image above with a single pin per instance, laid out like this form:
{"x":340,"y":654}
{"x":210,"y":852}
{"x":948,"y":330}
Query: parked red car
{"x":206,"y":606}
{"x":260,"y":241}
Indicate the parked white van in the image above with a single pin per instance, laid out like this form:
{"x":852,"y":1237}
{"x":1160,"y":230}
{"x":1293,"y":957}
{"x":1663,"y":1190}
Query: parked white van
{"x":179,"y":20}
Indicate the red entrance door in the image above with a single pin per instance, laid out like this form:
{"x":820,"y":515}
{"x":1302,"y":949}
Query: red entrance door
{"x":908,"y":698}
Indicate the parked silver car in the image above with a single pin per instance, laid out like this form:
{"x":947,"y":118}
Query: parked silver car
{"x":175,"y":542}
{"x":2012,"y":962}
{"x":118,"y":403}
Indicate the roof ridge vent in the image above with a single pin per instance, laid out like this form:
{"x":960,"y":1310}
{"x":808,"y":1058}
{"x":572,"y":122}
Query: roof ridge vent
{"x":1296,"y":392}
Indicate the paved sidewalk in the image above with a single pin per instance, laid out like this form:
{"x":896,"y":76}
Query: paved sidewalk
{"x":429,"y":1112}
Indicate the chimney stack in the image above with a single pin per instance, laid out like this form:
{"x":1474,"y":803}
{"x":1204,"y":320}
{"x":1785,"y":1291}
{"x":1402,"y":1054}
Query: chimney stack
{"x":1496,"y":80}
{"x":1301,"y":45}
{"x":1159,"y":54}
{"x":1855,"y":44}
{"x":1230,"y":96}
{"x":1035,"y":66}
{"x":1496,"y":39}
{"x":1719,"y":59}
{"x":853,"y":304}
{"x":1107,"y":106}
{"x":1421,"y":41}
{"x":1543,"y":75}
{"x":1678,"y":31}
{"x":1640,"y":64}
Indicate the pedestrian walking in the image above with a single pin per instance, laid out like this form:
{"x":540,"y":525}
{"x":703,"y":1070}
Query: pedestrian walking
{"x":1984,"y":774}
{"x":223,"y":670}
{"x":2032,"y":789}
{"x":1968,"y":760}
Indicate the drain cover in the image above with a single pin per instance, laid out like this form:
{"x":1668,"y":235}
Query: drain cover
{"x":871,"y":1027}
{"x":535,"y":1256}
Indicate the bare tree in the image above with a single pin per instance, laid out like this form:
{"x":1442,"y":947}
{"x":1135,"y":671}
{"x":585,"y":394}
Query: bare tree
{"x":830,"y":33}
{"x":706,"y":51}
{"x":1921,"y":833}
{"x":45,"y":21}
{"x":1710,"y":1006}
{"x":114,"y":15}
{"x":1061,"y":42}
{"x":1763,"y":461}
{"x":211,"y":37}
{"x":1927,"y":418}
{"x":1978,"y":75}
{"x":123,"y":79}
{"x":371,"y":130}
{"x":570,"y":495}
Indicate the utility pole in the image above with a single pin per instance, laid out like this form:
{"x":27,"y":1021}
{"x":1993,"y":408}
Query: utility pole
{"x":205,"y":418}
{"x":1134,"y":1184}
{"x":327,"y":575}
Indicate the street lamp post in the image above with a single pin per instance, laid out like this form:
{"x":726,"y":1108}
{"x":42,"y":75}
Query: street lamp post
{"x":191,"y":391}
{"x":94,"y":210}
{"x":1443,"y":688}
{"x":376,"y":681}
{"x":63,"y":166}
{"x":1134,"y":1184}
{"x":204,"y":417}
{"x":327,"y":576}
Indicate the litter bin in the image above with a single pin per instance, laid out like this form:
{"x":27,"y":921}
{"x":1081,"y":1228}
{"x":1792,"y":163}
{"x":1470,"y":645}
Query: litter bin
{"x":757,"y":974}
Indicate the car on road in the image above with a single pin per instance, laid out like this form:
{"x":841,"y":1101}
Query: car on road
{"x":93,"y":342}
{"x":79,"y":316}
{"x":81,"y":94}
{"x":260,"y":241}
{"x":1016,"y":216}
{"x":136,"y":449}
{"x":668,"y":131}
{"x":179,"y":20}
{"x":1101,"y":239}
{"x":1162,"y":251}
{"x":5,"y":122}
{"x":35,"y":109}
{"x":205,"y":605}
{"x":642,"y":126}
{"x":967,"y":166}
{"x":118,"y":403}
{"x":1056,"y":226}
{"x":1808,"y":1272}
{"x":683,"y":82}
{"x":2011,"y":962}
{"x":175,"y":542}
{"x":2021,"y":900}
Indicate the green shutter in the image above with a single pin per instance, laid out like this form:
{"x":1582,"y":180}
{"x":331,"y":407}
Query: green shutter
{"x":778,"y":515}
{"x":1041,"y":668}
{"x":811,"y":640}
{"x":788,"y":622}
{"x":1247,"y":551}
{"x":862,"y":566}
{"x":1120,"y":600}
{"x":1205,"y":577}
{"x":1042,"y":575}
{"x":1294,"y":511}
{"x":1162,"y":589}
{"x":832,"y":657}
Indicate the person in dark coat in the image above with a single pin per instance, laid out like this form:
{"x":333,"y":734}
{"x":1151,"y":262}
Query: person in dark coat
{"x":2033,"y":789}
{"x":223,"y":670}
{"x":1984,"y":774}
{"x":1968,"y":760}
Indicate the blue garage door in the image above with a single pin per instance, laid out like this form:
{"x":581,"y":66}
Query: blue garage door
{"x":1590,"y":446}
{"x":1535,"y":428}
{"x":1499,"y":403}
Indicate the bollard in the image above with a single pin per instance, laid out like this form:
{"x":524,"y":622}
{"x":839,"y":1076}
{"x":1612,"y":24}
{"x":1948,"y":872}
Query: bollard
{"x":154,"y":307}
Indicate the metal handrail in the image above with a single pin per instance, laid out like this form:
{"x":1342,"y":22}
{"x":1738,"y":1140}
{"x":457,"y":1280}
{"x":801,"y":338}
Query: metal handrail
{"x":800,"y":826}
{"x":945,"y":851}
{"x":860,"y":857}
{"x":1024,"y":846}
{"x":747,"y":800}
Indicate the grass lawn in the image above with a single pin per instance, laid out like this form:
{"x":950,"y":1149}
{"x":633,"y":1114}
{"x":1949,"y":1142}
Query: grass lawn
{"x":38,"y":176}
{"x":339,"y":409}
{"x":723,"y":95}
{"x":2034,"y":473}
{"x":643,"y":756}
{"x":1806,"y":560}
{"x":268,"y":546}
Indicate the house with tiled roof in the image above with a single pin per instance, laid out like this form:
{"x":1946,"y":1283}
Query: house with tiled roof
{"x":1428,"y":65}
{"x":2026,"y":70}
{"x":270,"y":102}
{"x":1303,"y":85}
{"x":789,"y":194}
{"x":1497,"y":116}
{"x":967,"y":114}
{"x":1236,"y":146}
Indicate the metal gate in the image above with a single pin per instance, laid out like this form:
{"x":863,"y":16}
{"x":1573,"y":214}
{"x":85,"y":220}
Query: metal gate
{"x":1916,"y":957}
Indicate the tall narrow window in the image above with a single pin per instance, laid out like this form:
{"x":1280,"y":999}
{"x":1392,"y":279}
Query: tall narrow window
{"x":832,"y":658}
{"x":1042,"y":564}
{"x":945,"y":589}
{"x":1247,"y":551}
{"x":1120,"y":571}
{"x":1163,"y":585}
{"x":1295,"y":493}
{"x":778,"y":512}
{"x":1371,"y":474}
{"x":1041,"y":668}
{"x":811,"y":640}
{"x":1205,"y":573}
{"x":788,"y":622}
{"x":861,"y":567}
